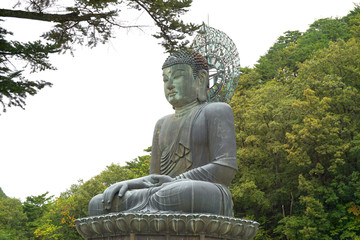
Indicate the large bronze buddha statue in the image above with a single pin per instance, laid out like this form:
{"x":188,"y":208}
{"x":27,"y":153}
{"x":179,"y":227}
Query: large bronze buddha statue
{"x":193,"y":157}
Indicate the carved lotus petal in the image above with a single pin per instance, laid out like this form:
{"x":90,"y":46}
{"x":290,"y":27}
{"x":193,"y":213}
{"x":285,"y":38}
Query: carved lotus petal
{"x":139,"y":224}
{"x":225,"y":227}
{"x":109,"y":225}
{"x":213,"y":226}
{"x":177,"y":225}
{"x":121,"y":224}
{"x":237,"y":229}
{"x":195,"y":225}
{"x":96,"y":226}
{"x":84,"y":228}
{"x":158,"y":224}
{"x":250,"y":232}
{"x":186,"y":225}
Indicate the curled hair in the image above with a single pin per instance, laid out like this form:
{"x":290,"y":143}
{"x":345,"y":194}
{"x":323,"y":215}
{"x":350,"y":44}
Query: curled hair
{"x":196,"y":61}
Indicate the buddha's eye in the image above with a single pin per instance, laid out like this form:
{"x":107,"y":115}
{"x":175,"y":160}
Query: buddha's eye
{"x":165,"y":79}
{"x":178,"y":74}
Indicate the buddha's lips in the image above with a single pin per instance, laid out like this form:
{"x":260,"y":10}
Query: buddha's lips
{"x":172,"y":93}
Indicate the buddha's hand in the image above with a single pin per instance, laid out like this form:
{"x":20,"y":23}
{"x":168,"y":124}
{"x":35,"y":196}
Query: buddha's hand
{"x":160,"y":179}
{"x":120,"y":188}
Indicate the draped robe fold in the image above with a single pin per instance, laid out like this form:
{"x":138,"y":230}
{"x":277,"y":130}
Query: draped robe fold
{"x":197,"y":149}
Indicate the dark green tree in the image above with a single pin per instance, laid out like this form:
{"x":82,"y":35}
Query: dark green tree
{"x":12,"y":218}
{"x":35,"y":207}
{"x":296,"y":47}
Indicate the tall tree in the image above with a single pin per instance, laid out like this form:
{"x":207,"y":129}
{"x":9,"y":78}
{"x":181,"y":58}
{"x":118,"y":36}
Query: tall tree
{"x":295,"y":47}
{"x":12,"y":218}
{"x":35,"y":207}
{"x":85,"y":22}
{"x":297,"y":132}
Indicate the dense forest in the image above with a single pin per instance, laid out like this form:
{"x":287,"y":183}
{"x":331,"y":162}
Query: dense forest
{"x":297,"y":121}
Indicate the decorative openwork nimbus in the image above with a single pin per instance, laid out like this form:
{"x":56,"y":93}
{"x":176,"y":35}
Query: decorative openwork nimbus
{"x":223,"y":59}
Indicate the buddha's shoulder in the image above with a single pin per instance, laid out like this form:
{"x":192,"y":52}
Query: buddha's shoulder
{"x":161,"y":120}
{"x":217,"y":108}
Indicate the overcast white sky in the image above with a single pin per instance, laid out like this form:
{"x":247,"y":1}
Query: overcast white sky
{"x":105,"y":101}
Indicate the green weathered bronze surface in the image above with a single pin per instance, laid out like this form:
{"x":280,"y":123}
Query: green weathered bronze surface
{"x":193,"y":161}
{"x":193,"y":158}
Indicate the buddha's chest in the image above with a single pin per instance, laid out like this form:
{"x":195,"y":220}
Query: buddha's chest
{"x":169,"y":132}
{"x":174,"y":143}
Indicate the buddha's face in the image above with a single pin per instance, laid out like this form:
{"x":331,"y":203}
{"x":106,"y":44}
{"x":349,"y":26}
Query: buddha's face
{"x":180,"y":87}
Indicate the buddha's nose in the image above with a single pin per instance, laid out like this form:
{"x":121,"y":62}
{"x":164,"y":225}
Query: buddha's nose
{"x":170,"y":84}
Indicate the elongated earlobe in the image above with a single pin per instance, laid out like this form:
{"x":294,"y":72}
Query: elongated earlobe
{"x":202,"y":92}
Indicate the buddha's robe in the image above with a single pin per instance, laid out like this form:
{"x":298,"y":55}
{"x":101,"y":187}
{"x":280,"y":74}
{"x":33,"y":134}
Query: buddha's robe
{"x":197,"y":149}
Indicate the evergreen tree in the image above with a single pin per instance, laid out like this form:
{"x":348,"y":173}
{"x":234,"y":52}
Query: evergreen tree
{"x":83,"y":22}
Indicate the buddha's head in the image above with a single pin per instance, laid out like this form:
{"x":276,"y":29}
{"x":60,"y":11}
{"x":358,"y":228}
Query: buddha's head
{"x":185,"y":77}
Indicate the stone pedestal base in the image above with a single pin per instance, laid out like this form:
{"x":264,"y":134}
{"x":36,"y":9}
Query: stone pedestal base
{"x":134,"y":236}
{"x":165,"y":226}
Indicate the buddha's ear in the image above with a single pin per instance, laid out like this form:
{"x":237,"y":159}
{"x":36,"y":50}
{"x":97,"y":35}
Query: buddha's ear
{"x":203,"y":85}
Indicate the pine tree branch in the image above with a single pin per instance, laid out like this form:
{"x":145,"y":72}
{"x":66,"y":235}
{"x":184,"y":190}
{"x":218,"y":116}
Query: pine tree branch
{"x":49,"y":17}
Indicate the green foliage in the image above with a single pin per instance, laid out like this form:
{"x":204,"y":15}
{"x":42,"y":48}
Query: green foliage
{"x":297,"y":128}
{"x":298,"y":136}
{"x":296,"y":47}
{"x":280,"y":55}
{"x":139,"y":167}
{"x":12,"y":218}
{"x":35,"y":207}
{"x":82,"y":192}
{"x":13,"y":86}
{"x":85,"y":22}
{"x":166,"y":16}
{"x":58,"y":221}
